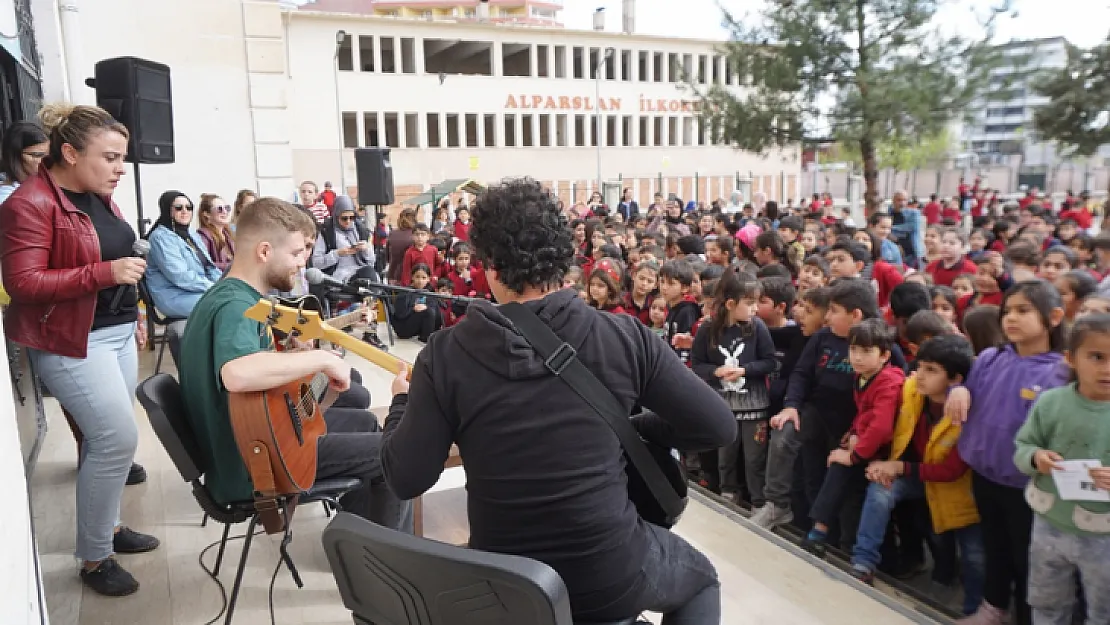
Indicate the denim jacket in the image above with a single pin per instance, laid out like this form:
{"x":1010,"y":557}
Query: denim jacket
{"x":176,"y":274}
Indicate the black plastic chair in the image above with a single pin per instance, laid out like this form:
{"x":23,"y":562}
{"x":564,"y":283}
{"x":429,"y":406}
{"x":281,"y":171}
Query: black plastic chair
{"x":155,"y":318}
{"x":391,"y":578}
{"x":161,"y":397}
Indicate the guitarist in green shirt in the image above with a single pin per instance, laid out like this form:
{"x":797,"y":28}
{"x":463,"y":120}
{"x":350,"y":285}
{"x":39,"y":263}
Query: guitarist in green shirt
{"x":224,"y":352}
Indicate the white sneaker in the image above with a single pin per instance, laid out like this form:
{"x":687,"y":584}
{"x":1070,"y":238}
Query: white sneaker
{"x":771,"y":516}
{"x":987,"y":614}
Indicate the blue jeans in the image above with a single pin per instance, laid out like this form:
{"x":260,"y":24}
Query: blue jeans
{"x":99,"y":391}
{"x":878,"y":505}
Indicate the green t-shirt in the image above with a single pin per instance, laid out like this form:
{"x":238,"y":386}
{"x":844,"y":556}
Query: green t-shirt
{"x":216,"y":334}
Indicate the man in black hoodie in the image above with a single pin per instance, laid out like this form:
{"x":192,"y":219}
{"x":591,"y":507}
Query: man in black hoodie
{"x":545,"y":473}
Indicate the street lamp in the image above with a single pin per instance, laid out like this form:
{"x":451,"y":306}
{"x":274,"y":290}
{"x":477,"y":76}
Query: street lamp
{"x":597,"y":111}
{"x":340,"y":38}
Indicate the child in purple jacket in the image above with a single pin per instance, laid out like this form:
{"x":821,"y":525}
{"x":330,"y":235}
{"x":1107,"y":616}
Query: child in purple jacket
{"x":1001,"y":388}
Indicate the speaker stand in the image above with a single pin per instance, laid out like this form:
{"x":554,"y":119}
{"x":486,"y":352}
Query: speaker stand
{"x":139,"y":202}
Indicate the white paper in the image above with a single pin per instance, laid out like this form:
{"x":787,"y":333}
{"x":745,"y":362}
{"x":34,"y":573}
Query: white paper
{"x":1074,"y":482}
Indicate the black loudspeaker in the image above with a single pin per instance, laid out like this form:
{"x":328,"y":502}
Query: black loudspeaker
{"x":375,"y":176}
{"x":137,"y":93}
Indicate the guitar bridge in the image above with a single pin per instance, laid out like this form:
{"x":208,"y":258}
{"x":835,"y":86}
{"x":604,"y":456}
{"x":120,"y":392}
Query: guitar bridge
{"x":295,"y":418}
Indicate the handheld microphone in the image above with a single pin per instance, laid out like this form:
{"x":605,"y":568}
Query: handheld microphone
{"x":141,"y":248}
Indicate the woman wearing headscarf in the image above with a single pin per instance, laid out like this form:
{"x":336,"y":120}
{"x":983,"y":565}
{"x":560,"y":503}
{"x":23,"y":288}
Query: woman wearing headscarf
{"x":343,"y":248}
{"x":180,"y":270}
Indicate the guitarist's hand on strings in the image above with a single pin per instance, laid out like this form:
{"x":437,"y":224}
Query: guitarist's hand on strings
{"x":337,"y":370}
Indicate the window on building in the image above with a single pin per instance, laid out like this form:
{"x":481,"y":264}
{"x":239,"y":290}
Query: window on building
{"x":657,"y":132}
{"x":701,"y":131}
{"x":527,"y":131}
{"x":578,"y":61}
{"x":346,"y":54}
{"x":687,"y":131}
{"x":657,"y":66}
{"x":729,"y":71}
{"x":471,"y":130}
{"x":611,"y":130}
{"x":412,"y":130}
{"x":645,"y":131}
{"x":561,"y":131}
{"x":687,"y":72}
{"x":579,"y":131}
{"x":610,"y":63}
{"x":453,"y":56}
{"x":366,"y":52}
{"x":703,"y":67}
{"x":389,"y":50}
{"x":545,"y":130}
{"x":371,"y":137}
{"x":392,"y":131}
{"x":626,"y":131}
{"x":595,"y":60}
{"x":516,"y":59}
{"x":510,"y":131}
{"x":715,"y":69}
{"x":560,"y":61}
{"x":453,"y":130}
{"x":350,"y":130}
{"x":542,"y":53}
{"x":408,"y":55}
{"x":432,"y":128}
{"x":672,"y":67}
{"x":489,"y":120}
{"x":672,"y":131}
{"x":626,"y":65}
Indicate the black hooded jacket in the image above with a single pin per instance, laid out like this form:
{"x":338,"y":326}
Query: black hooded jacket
{"x":545,"y":473}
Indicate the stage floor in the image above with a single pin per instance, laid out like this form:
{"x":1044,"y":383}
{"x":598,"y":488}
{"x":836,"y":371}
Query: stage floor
{"x":764,"y":579}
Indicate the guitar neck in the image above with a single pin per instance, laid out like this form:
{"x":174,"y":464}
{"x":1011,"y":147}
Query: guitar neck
{"x":346,"y":320}
{"x":384,"y":360}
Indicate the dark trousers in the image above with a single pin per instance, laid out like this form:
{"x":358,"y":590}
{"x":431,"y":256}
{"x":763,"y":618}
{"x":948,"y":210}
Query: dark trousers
{"x":352,"y":448}
{"x":358,"y":396}
{"x":1007,"y":523}
{"x":419,"y":324}
{"x":676,"y":580}
{"x":782,"y":456}
{"x":749,"y":448}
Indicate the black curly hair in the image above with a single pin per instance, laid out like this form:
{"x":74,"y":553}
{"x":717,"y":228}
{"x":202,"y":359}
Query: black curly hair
{"x":518,"y":231}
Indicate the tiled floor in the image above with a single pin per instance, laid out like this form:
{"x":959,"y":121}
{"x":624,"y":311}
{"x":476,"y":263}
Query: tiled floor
{"x":762,"y":582}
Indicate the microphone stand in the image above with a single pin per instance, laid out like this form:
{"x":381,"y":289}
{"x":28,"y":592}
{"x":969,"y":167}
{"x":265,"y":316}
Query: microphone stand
{"x":372,"y":286}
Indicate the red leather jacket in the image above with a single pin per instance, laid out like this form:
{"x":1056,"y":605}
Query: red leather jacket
{"x":50,"y":256}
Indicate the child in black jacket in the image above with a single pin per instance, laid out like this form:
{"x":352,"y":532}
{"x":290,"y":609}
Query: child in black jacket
{"x":734,"y":353}
{"x":676,"y":277}
{"x":415,"y":314}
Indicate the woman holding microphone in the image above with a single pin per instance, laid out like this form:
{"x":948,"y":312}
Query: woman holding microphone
{"x":67,"y":259}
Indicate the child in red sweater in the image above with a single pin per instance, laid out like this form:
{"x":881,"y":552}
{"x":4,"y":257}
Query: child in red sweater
{"x":419,"y":252}
{"x":462,"y":224}
{"x":466,"y":279}
{"x":952,"y":261}
{"x":604,"y":289}
{"x":878,"y":393}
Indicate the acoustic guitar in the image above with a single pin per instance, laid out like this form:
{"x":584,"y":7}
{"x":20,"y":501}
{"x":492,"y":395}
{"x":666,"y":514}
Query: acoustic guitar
{"x":277,"y":430}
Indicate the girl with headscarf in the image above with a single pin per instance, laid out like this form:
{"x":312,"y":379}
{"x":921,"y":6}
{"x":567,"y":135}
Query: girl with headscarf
{"x":179,"y":269}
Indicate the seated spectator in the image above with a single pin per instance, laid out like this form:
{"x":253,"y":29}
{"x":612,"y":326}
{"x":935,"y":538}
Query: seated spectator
{"x":25,"y":145}
{"x":343,"y":248}
{"x":179,"y":269}
{"x":215,"y":229}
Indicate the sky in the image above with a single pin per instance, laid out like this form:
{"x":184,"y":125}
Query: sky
{"x":1082,"y":22}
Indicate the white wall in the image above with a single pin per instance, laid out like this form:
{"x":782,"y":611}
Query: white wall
{"x":202,"y":42}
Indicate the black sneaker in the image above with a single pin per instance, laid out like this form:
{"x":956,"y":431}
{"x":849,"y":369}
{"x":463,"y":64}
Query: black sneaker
{"x":127,"y":540}
{"x":372,"y":339}
{"x":109,"y":578}
{"x":137,"y":474}
{"x":816,"y":547}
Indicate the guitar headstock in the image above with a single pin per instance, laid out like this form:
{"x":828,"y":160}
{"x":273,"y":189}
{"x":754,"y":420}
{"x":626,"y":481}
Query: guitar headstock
{"x":302,"y":322}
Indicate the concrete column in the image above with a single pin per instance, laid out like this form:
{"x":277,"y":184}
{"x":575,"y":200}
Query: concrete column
{"x":402,"y":139}
{"x":356,"y":53}
{"x":377,"y":51}
{"x":418,"y":53}
{"x":360,"y":129}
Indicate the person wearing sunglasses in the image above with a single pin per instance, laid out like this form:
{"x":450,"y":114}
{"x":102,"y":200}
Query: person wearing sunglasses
{"x":180,"y":269}
{"x":215,"y":229}
{"x":25,"y":145}
{"x":343,"y":249}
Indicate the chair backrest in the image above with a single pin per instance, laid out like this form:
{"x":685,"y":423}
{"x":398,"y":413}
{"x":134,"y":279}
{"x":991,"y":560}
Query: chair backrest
{"x":391,"y":578}
{"x":148,"y":299}
{"x":161,"y":397}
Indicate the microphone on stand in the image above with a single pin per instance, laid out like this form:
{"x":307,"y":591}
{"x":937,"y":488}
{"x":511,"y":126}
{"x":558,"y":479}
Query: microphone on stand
{"x":141,"y":248}
{"x":316,"y":277}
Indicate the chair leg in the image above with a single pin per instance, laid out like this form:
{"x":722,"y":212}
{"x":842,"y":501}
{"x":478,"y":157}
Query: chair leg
{"x":161,"y":352}
{"x":388,"y":326}
{"x":204,"y":521}
{"x":220,"y":553}
{"x":239,"y":573}
{"x":327,"y":509}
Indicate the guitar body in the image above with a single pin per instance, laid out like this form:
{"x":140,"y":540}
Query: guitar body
{"x":285,"y":423}
{"x":646,"y":504}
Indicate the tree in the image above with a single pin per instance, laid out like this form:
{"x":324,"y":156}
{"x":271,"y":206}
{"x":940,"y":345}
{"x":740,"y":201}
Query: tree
{"x":1076,"y":116}
{"x":861,"y":72}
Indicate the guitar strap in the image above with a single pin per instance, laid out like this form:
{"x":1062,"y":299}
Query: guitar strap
{"x":562,"y":360}
{"x":265,"y":491}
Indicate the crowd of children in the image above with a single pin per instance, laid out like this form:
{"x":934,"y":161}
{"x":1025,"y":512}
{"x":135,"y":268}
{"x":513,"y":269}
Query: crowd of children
{"x":881,"y":408}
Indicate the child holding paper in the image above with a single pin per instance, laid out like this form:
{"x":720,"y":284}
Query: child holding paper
{"x":1071,"y":528}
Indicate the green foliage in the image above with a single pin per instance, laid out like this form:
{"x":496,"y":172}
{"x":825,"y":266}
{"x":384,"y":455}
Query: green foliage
{"x":862,"y":72}
{"x":1079,"y":96}
{"x":899,"y":154}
